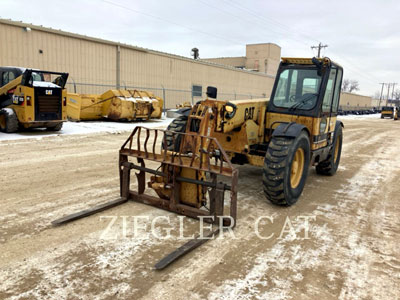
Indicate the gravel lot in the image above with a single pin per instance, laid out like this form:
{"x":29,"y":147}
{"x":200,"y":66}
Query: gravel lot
{"x":352,"y":249}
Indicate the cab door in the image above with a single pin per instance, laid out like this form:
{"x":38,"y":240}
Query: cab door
{"x":330,"y":106}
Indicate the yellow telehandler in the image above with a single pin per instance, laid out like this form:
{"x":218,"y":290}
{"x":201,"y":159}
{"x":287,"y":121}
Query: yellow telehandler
{"x":295,"y":129}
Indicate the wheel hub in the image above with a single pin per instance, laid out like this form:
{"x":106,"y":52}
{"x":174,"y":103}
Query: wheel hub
{"x":297,"y":168}
{"x":336,"y":150}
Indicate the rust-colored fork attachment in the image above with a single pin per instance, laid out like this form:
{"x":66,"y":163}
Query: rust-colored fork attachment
{"x":198,"y":153}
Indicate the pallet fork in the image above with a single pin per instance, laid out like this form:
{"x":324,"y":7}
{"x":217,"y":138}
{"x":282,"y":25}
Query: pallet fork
{"x":187,"y":181}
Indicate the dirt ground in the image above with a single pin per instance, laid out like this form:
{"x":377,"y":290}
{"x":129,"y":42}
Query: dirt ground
{"x":352,"y":250}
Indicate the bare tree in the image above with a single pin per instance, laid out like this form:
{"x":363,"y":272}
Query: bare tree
{"x":354,"y":86}
{"x":350,"y":85}
{"x":345,"y":85}
{"x":396,"y":94}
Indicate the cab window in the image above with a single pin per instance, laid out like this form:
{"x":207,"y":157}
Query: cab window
{"x":336,"y":96}
{"x":297,"y":88}
{"x":7,"y":77}
{"x":327,"y":102}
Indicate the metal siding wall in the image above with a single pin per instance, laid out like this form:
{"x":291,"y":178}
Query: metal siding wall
{"x":355,"y":100}
{"x":93,"y":62}
{"x":85,"y":61}
{"x":141,"y":69}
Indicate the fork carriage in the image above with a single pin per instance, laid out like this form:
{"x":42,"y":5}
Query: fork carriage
{"x":186,"y":181}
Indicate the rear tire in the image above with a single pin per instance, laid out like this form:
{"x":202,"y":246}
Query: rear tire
{"x":286,"y":168}
{"x":331,"y":164}
{"x":177,"y":125}
{"x":55,"y":128}
{"x":8,"y":120}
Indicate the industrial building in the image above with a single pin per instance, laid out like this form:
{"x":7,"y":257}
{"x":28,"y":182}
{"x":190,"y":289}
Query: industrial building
{"x":96,"y":65}
{"x":263,"y":58}
{"x":354,"y":101}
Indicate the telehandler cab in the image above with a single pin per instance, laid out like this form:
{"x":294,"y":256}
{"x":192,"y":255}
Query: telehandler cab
{"x":296,"y":128}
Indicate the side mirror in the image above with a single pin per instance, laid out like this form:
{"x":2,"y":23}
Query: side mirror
{"x":211,"y":92}
{"x":318,"y":64}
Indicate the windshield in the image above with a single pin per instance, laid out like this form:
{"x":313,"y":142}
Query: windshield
{"x":37,"y":76}
{"x":46,"y":79}
{"x":297,"y":88}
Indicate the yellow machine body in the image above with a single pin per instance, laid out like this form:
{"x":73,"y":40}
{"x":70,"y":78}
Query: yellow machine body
{"x":303,"y":108}
{"x":251,"y":124}
{"x":39,"y":103}
{"x":387,"y":112}
{"x":129,"y":105}
{"x":26,"y":112}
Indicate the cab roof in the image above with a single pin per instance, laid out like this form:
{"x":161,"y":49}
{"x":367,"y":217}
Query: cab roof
{"x":306,"y":60}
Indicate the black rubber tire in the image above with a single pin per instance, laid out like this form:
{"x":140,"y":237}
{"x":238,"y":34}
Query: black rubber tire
{"x":177,"y":125}
{"x":277,"y":169}
{"x":381,"y":117}
{"x":11,"y":123}
{"x":330,"y":166}
{"x":55,"y":128}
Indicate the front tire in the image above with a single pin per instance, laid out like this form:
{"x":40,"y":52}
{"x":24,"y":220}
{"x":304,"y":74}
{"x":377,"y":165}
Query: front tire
{"x":8,"y":120}
{"x":177,"y":125}
{"x":286,"y":168}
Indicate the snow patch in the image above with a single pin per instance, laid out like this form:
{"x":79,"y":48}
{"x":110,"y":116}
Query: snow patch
{"x":85,"y":128}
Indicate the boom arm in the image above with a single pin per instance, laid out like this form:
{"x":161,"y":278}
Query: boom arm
{"x":8,"y":89}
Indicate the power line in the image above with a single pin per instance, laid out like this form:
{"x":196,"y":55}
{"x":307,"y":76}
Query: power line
{"x":270,"y":20}
{"x":240,"y":7}
{"x":240,"y":18}
{"x":171,"y":22}
{"x":288,"y":29}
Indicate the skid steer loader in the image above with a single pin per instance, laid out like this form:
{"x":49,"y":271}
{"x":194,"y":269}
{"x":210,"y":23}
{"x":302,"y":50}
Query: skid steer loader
{"x":31,"y":99}
{"x":194,"y":166}
{"x":387,"y":112}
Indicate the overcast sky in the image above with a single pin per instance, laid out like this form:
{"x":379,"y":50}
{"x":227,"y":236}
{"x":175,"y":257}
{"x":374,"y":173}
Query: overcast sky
{"x":362,"y":36}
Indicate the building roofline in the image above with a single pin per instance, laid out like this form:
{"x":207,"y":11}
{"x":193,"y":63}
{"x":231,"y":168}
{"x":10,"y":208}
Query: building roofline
{"x":263,"y":44}
{"x":224,"y":57}
{"x":357,"y":94}
{"x":122,"y":45}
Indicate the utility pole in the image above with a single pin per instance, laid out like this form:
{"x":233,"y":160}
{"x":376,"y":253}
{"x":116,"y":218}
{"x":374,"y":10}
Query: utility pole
{"x":319,"y":47}
{"x":380,"y":98}
{"x":394,"y":83}
{"x":387,"y":99}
